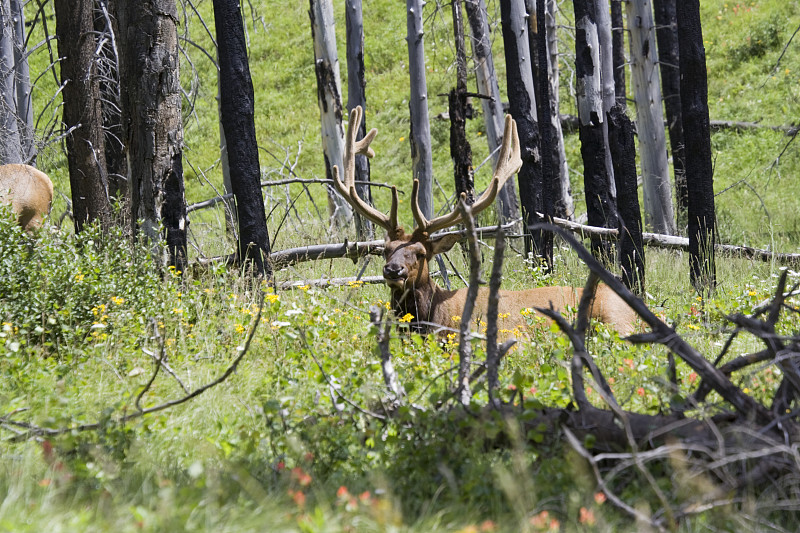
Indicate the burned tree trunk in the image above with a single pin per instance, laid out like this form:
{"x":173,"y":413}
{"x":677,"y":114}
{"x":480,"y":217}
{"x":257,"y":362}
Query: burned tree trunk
{"x":550,"y":183}
{"x":237,"y":106}
{"x":82,"y":113}
{"x":420,"y":134}
{"x":460,"y":149}
{"x":650,"y":119}
{"x":666,"y":18}
{"x":600,"y":197}
{"x":356,"y":96}
{"x":152,"y":125}
{"x":508,"y":205}
{"x":523,"y":108}
{"x":623,"y":154}
{"x":539,"y":40}
{"x":618,"y":51}
{"x":329,"y":98}
{"x":697,"y":132}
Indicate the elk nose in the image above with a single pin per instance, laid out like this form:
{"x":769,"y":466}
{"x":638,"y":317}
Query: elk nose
{"x":393,"y":271}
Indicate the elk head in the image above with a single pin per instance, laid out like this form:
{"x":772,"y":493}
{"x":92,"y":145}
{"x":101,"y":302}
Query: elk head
{"x":28,"y":191}
{"x":407,"y":255}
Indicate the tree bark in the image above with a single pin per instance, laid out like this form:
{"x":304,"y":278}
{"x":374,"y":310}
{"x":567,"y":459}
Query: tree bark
{"x":107,"y":28}
{"x":618,"y":51}
{"x":460,"y":149}
{"x":564,"y":207}
{"x":550,"y":183}
{"x":16,"y":113}
{"x":522,"y":102}
{"x":508,"y":205}
{"x":666,"y":18}
{"x":697,"y":132}
{"x":82,"y":113}
{"x":600,"y":196}
{"x":329,"y":97}
{"x":623,"y":154}
{"x":650,"y":119}
{"x":237,"y":106}
{"x":420,"y":134}
{"x":152,"y":122}
{"x":356,"y":96}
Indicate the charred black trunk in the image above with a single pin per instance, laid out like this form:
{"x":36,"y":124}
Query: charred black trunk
{"x":600,"y":201}
{"x":523,"y":109}
{"x":666,"y":18}
{"x":460,"y":149}
{"x":356,"y":96}
{"x":82,"y":113}
{"x":550,"y":163}
{"x":618,"y":50}
{"x":623,"y":154}
{"x":238,"y":119}
{"x":697,"y":132}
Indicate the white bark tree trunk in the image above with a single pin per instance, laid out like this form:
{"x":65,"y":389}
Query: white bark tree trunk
{"x":420,"y":135}
{"x":657,"y":190}
{"x":329,"y":95}
{"x":555,"y":102}
{"x":16,"y":115}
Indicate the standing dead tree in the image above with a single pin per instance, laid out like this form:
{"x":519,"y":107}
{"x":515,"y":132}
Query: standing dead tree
{"x":237,"y":107}
{"x":486,"y":79}
{"x":650,"y":118}
{"x":152,"y":126}
{"x":329,"y":97}
{"x":82,"y":113}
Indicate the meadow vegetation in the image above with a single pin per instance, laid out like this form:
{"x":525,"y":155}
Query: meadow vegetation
{"x":290,"y":440}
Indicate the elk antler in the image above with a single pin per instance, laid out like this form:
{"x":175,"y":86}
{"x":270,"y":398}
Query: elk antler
{"x":348,"y":189}
{"x":508,"y":163}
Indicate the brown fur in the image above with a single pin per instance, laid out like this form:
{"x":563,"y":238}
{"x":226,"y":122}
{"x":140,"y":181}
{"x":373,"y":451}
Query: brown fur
{"x":414,"y":292}
{"x":28,"y":191}
{"x":407,"y":256}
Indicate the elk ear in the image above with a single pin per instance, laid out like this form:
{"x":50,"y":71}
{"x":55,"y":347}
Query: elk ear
{"x":443,"y":243}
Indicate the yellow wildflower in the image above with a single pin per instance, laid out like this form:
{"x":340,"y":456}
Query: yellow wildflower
{"x":408,"y":317}
{"x":272,"y":298}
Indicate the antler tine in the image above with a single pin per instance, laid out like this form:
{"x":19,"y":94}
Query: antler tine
{"x":347,"y":188}
{"x":437,"y":223}
{"x":508,"y":163}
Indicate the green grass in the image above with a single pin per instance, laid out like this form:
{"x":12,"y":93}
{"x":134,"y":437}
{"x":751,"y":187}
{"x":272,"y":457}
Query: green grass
{"x":270,"y":449}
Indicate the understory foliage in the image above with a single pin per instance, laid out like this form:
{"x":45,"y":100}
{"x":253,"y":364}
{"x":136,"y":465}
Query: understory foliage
{"x":298,"y":437}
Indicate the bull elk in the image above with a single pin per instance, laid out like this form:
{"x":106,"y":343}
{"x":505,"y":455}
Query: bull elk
{"x":28,"y":191}
{"x":406,"y":271}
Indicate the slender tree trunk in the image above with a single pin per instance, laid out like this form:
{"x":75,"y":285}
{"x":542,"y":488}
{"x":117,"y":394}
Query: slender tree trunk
{"x":697,"y":131}
{"x":650,"y":119}
{"x":623,"y":154}
{"x":82,"y":113}
{"x":237,"y":105}
{"x":107,"y":28}
{"x":152,"y":122}
{"x":420,"y":135}
{"x":564,"y":206}
{"x":618,"y":51}
{"x":522,"y":101}
{"x":16,"y":114}
{"x":540,"y":58}
{"x":550,"y":183}
{"x":329,"y":96}
{"x":356,"y":96}
{"x":492,"y":107}
{"x":666,"y":18}
{"x":600,"y":197}
{"x":460,"y":149}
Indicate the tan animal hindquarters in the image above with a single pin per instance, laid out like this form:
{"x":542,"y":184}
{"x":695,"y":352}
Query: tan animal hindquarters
{"x":29,"y":192}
